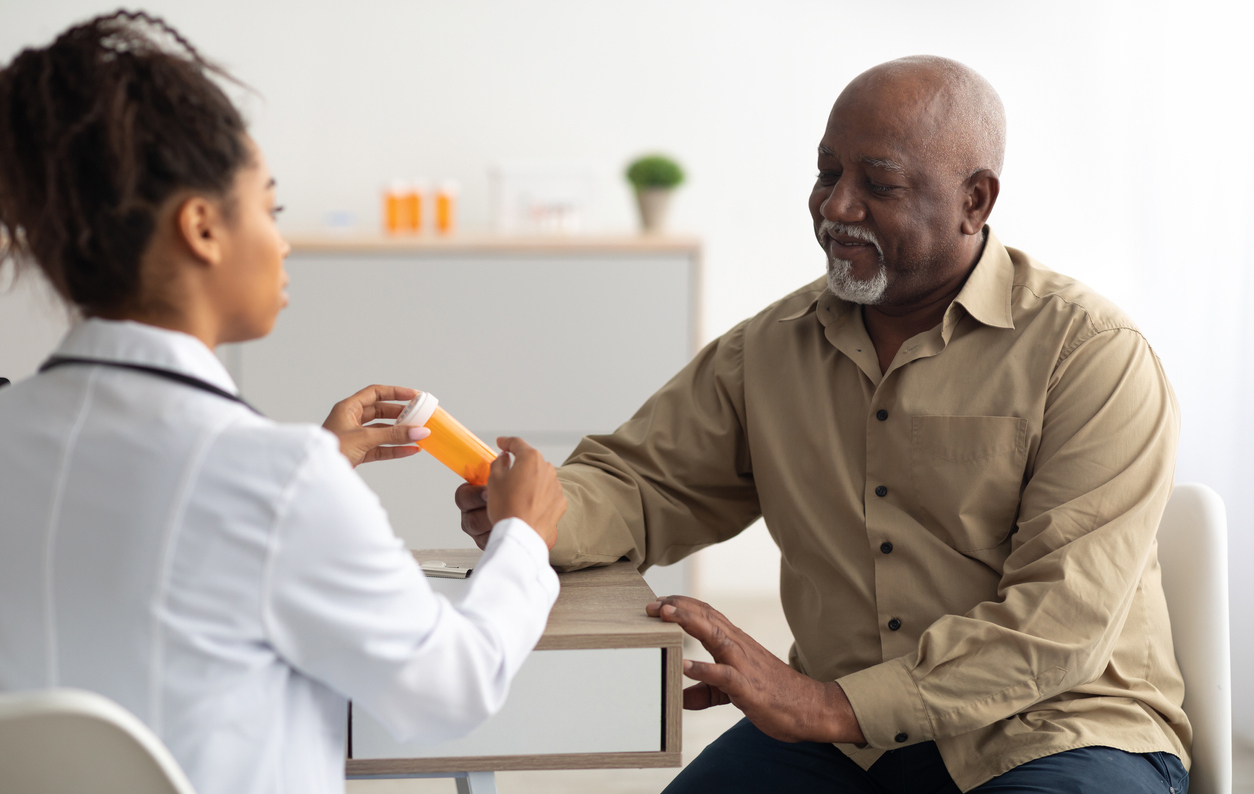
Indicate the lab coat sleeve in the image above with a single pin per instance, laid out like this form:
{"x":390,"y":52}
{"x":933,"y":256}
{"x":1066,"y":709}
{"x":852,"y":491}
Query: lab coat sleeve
{"x":346,"y":604}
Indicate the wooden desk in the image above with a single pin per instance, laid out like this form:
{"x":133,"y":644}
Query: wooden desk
{"x":600,"y":611}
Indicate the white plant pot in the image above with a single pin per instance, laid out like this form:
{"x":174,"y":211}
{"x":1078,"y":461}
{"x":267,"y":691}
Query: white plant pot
{"x":653,"y":202}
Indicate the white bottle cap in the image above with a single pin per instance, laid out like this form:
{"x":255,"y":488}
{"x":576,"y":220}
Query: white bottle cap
{"x":419,"y":410}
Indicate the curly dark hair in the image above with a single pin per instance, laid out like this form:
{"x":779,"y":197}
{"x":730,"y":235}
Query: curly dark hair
{"x":97,"y":131}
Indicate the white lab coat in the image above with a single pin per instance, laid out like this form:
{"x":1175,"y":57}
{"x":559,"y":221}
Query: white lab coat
{"x":231,"y":580}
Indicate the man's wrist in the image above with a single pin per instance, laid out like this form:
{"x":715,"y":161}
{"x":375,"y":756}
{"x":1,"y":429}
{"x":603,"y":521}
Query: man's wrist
{"x":839,"y":723}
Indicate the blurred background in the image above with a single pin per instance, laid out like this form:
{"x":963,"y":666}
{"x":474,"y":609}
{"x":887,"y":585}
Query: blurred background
{"x":1131,"y":130}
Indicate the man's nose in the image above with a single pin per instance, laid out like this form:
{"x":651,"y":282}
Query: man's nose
{"x":842,"y":204}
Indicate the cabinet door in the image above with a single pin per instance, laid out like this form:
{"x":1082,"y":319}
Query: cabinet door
{"x":545,"y":347}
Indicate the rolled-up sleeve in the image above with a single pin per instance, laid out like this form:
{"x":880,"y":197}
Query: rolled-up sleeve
{"x":674,"y":479}
{"x":346,"y":604}
{"x":1087,"y":521}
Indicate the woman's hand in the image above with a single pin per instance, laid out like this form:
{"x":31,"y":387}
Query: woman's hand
{"x":361,"y":442}
{"x":528,"y":489}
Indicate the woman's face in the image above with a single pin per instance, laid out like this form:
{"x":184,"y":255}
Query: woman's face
{"x":253,"y":253}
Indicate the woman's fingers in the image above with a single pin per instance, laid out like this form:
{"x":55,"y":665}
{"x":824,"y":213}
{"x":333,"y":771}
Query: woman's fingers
{"x":381,"y":410}
{"x":390,"y":453}
{"x":381,"y":393}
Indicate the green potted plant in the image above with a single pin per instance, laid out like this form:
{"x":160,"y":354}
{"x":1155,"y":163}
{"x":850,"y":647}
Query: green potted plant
{"x":654,"y":177}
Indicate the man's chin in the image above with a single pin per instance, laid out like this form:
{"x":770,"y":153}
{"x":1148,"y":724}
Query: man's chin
{"x":842,"y":284}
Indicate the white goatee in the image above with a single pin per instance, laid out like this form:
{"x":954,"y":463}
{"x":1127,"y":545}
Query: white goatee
{"x":840,"y":279}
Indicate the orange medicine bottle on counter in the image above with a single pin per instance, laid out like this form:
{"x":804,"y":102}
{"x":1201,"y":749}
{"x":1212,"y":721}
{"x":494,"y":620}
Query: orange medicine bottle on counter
{"x":450,"y":442}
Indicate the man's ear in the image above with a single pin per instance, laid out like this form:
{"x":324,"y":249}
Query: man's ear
{"x":982,"y":188}
{"x":200,"y":227}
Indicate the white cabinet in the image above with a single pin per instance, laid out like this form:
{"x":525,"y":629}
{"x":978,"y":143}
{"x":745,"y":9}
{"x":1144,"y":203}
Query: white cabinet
{"x":544,"y":339}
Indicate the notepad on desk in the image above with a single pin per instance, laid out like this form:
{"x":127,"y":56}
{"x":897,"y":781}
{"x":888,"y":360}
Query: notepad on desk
{"x":439,"y":569}
{"x":447,"y":563}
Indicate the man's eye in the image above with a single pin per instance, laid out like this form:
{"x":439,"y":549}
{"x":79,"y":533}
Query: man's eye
{"x":876,"y":187}
{"x":828,"y":177}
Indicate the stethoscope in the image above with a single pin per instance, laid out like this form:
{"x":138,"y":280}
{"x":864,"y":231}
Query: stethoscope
{"x":177,"y":377}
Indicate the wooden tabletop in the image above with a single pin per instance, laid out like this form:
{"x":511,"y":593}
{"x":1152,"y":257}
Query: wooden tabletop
{"x":378,"y":242}
{"x":596,"y":608}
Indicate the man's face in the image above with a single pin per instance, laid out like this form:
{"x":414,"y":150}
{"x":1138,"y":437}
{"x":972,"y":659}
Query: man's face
{"x":886,"y":210}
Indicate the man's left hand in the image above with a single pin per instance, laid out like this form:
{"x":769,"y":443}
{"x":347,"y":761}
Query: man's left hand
{"x":781,"y":702}
{"x":362,"y":442}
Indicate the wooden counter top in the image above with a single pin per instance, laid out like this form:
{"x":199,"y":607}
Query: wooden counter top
{"x":469,"y":243}
{"x":596,"y":608}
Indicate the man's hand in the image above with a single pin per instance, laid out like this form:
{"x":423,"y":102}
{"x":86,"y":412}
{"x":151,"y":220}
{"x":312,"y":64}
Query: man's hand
{"x":527,"y":489}
{"x":472,"y":500}
{"x":361,"y":442}
{"x":781,"y":702}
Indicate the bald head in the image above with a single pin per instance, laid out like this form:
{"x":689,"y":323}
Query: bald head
{"x":908,"y":172}
{"x":954,"y":112}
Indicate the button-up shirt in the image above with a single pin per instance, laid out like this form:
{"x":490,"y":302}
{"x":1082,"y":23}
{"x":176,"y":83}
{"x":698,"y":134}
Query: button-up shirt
{"x":967,"y":539}
{"x":231,"y":580}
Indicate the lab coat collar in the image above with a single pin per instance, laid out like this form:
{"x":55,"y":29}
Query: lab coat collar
{"x":137,"y":343}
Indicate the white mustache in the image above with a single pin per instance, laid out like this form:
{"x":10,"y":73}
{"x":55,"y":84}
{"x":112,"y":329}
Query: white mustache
{"x":830,"y":228}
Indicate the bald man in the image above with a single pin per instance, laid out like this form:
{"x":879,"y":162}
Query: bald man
{"x":963,"y":457}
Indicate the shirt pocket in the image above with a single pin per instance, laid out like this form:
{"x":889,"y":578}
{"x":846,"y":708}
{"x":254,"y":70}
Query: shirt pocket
{"x":966,"y":473}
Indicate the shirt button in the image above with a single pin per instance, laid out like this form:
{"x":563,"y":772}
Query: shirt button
{"x":881,"y":414}
{"x":886,"y":547}
{"x":894,"y":624}
{"x":901,"y":737}
{"x":881,"y":490}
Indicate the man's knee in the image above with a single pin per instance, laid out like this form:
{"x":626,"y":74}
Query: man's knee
{"x":746,"y":760}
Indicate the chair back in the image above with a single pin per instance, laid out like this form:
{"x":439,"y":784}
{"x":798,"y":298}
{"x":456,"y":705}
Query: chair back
{"x":64,"y":741}
{"x":1193,"y":554}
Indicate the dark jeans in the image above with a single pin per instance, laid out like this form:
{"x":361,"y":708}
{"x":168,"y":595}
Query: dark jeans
{"x":746,"y":760}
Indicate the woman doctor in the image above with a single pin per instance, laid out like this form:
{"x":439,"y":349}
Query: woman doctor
{"x":228,"y":579}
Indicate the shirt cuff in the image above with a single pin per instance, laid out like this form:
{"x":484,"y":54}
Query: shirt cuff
{"x":888,"y":705}
{"x":515,"y":530}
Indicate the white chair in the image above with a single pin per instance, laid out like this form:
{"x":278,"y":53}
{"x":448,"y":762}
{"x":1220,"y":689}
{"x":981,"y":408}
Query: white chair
{"x":65,"y":741}
{"x":1193,"y":553}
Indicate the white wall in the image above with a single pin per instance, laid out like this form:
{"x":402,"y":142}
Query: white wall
{"x":1129,"y":159}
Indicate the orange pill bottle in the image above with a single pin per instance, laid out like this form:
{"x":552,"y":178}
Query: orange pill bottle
{"x":450,"y":442}
{"x":446,"y":207}
{"x":394,"y":196}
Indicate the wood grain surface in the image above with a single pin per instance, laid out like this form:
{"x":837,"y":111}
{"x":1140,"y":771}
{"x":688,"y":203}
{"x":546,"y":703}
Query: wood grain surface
{"x":596,"y":608}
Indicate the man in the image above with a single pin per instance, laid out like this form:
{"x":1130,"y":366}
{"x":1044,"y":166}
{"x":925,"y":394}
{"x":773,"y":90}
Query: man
{"x":963,"y":458}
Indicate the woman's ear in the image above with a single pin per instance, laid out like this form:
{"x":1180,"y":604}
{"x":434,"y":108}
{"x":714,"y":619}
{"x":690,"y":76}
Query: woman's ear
{"x":200,"y":226}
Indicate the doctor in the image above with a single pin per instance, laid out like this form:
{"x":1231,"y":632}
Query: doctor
{"x":229,"y":580}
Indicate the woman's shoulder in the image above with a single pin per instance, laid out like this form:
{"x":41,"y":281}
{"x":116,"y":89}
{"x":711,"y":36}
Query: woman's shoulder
{"x":271,"y":454}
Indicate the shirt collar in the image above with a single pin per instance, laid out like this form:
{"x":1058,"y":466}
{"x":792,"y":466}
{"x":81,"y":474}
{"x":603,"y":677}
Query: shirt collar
{"x":137,"y":343}
{"x":985,"y":296}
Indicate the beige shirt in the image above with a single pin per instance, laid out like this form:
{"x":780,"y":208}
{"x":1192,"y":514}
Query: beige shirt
{"x":967,"y":539}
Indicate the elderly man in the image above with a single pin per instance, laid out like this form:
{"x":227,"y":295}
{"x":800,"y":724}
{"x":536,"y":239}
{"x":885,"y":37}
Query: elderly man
{"x":963,"y":457}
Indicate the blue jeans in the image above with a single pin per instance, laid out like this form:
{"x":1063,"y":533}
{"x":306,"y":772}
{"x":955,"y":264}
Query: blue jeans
{"x":746,"y":760}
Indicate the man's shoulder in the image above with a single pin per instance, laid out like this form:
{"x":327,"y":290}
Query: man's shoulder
{"x":1041,"y":294}
{"x":795,"y":304}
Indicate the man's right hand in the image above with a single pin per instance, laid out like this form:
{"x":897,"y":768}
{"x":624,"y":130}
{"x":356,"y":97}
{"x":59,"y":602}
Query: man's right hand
{"x":528,"y":490}
{"x":472,"y":500}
